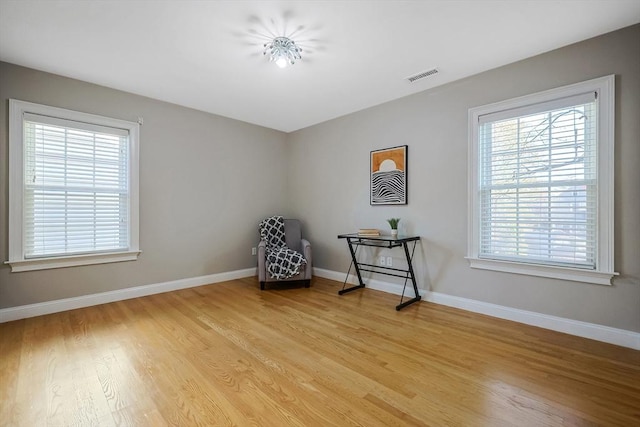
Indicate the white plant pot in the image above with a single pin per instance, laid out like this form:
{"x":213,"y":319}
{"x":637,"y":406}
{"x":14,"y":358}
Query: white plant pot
{"x":394,"y":233}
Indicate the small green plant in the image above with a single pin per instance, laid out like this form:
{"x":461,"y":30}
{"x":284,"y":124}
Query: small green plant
{"x":393,"y":222}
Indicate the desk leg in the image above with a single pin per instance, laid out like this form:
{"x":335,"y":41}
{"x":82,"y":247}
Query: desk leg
{"x":412,"y":276}
{"x":355,"y":264}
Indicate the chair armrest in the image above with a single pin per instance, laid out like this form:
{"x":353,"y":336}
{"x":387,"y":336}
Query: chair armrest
{"x":306,"y":251}
{"x":262,"y":263}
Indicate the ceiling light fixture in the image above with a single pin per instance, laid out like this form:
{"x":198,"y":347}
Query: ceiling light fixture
{"x":283,"y":51}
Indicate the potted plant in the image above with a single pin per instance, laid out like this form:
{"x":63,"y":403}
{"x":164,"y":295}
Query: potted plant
{"x":393,"y":222}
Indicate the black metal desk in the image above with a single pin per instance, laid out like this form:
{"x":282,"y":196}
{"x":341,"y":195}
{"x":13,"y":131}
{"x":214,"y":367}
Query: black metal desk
{"x":355,"y":240}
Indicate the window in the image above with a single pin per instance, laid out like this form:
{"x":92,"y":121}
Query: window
{"x":541,"y":183}
{"x":73,"y":188}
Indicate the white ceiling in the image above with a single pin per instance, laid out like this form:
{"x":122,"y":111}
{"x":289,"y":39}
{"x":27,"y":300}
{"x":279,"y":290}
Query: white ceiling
{"x":207,"y":55}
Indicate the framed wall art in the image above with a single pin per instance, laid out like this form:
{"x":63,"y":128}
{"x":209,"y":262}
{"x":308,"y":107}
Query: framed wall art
{"x":389,"y":176}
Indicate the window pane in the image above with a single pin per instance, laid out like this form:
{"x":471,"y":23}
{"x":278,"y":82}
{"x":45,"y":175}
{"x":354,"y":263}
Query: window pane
{"x":76,"y":190}
{"x":537,"y":187}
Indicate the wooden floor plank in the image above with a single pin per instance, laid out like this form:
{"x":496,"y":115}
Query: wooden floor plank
{"x":10,"y":364}
{"x":230,"y":354}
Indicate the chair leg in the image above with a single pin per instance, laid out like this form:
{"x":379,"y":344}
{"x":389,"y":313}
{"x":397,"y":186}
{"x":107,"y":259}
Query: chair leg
{"x":307,"y":283}
{"x":262,"y":286}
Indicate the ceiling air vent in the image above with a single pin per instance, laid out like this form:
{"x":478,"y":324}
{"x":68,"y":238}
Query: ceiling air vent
{"x":423,"y":75}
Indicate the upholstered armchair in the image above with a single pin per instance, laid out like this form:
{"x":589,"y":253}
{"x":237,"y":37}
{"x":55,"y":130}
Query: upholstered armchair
{"x":294,"y":240}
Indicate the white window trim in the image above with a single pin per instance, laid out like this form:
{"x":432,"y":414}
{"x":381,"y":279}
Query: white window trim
{"x":604,"y":272}
{"x":18,"y":263}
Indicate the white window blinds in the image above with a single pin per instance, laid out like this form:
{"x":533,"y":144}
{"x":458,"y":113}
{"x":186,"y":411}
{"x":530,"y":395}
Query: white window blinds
{"x":538,"y":183}
{"x":76,"y":189}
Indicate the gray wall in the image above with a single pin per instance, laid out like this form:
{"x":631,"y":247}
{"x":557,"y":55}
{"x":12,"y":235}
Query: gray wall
{"x":205,"y":182}
{"x":334,"y":159}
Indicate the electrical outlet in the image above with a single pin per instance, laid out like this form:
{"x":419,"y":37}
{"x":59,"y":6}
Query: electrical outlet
{"x":382,"y":261}
{"x":389,"y":261}
{"x":253,"y":251}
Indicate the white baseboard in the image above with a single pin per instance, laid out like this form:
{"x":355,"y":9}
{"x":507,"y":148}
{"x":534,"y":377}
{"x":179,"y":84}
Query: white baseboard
{"x":593,"y":331}
{"x":378,"y":285}
{"x":39,"y":309}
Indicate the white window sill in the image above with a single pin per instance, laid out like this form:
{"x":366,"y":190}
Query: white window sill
{"x":563,"y":273}
{"x":71,"y":261}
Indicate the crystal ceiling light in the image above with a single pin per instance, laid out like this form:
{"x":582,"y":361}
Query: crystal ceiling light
{"x":283,"y":51}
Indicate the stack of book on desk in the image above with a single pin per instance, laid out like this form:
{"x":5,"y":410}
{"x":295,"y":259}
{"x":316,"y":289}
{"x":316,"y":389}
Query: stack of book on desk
{"x":369,"y":232}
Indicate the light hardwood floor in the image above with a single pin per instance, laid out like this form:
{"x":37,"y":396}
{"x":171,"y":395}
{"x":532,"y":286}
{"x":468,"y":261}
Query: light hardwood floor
{"x":229,"y":354}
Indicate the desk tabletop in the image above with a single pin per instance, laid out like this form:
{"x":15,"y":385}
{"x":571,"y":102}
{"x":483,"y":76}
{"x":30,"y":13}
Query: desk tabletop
{"x":382,"y":238}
